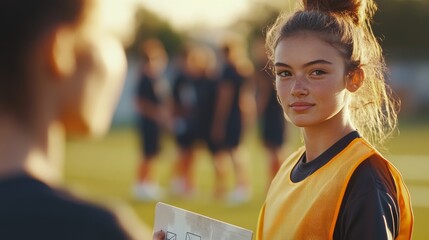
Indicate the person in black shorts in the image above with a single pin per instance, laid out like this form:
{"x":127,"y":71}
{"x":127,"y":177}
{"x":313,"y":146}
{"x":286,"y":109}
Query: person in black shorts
{"x":227,"y":127}
{"x":194,"y":92}
{"x":151,"y":117}
{"x":270,"y":113}
{"x":62,"y":67}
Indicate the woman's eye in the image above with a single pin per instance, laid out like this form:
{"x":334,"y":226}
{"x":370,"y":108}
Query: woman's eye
{"x":284,"y":74}
{"x":318,"y":72}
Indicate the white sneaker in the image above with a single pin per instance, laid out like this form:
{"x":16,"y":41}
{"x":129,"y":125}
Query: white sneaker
{"x":239,"y":195}
{"x":147,"y":191}
{"x":179,"y":187}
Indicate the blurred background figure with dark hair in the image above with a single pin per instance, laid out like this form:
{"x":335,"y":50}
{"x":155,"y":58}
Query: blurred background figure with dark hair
{"x":270,"y":114}
{"x":194,"y":91}
{"x":152,"y":116}
{"x":227,"y":128}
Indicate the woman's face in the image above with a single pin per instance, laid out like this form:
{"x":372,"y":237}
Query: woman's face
{"x":100,"y":68}
{"x":310,"y":80}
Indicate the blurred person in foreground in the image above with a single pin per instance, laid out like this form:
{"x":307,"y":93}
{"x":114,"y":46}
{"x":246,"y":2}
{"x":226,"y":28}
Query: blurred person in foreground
{"x":62,"y":66}
{"x":330,"y":81}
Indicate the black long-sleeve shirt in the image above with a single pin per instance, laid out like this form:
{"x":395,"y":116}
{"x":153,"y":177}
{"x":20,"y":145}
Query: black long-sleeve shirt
{"x":29,"y":209}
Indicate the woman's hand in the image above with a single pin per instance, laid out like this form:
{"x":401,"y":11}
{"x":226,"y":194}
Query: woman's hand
{"x":160,"y":235}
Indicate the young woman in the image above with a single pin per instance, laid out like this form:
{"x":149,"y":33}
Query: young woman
{"x":62,"y":66}
{"x":329,"y":79}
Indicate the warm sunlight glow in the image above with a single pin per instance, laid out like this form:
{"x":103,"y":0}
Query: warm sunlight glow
{"x":185,"y":14}
{"x":122,"y":21}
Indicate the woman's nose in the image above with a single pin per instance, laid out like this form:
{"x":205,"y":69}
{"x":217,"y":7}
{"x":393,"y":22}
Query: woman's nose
{"x":299,"y":87}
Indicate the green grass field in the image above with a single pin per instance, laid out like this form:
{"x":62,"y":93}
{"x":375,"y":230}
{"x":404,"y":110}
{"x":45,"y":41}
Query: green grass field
{"x":105,"y":169}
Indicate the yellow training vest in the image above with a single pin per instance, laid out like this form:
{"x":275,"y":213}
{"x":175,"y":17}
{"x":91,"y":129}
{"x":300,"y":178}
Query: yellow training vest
{"x":309,"y":209}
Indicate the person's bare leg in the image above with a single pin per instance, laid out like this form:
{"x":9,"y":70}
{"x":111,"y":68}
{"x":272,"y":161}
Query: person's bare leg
{"x":242,"y":190}
{"x":146,"y":189}
{"x":183,"y":182}
{"x":144,"y":169}
{"x":221,"y":174}
{"x":239,"y":168}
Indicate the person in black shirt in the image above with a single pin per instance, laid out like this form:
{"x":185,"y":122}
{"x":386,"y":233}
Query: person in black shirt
{"x":62,"y":65}
{"x":270,"y":113}
{"x":152,"y":115}
{"x":227,"y":127}
{"x":194,"y":92}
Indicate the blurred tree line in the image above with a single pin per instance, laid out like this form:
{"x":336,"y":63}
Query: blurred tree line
{"x":401,"y":26}
{"x":149,"y":25}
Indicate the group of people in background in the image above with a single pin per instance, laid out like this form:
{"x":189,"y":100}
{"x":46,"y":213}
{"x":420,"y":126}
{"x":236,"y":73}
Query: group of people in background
{"x":209,"y":96}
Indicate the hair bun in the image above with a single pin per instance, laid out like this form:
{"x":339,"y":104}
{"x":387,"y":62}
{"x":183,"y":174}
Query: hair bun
{"x":359,"y":10}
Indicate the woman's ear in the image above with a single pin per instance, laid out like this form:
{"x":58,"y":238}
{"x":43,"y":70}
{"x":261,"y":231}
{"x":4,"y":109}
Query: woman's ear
{"x":62,"y":54}
{"x":354,"y":80}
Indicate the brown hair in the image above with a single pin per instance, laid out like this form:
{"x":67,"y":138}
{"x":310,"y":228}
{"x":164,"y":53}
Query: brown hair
{"x":346,"y":25}
{"x":22,"y":24}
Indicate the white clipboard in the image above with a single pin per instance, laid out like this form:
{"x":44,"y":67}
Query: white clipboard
{"x":180,"y":224}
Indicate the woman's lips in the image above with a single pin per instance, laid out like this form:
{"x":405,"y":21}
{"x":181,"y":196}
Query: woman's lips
{"x":301,"y":106}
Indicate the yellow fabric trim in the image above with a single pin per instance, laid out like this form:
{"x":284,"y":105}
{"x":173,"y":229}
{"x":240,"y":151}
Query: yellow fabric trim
{"x":259,"y":229}
{"x":404,"y":202}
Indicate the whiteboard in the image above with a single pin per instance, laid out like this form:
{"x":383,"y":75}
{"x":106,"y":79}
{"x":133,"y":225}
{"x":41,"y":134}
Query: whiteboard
{"x":180,"y":224}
